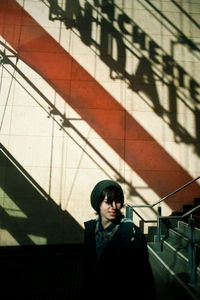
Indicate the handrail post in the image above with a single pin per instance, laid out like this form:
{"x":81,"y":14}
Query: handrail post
{"x":191,"y":252}
{"x":141,"y":225}
{"x":129,"y":212}
{"x":159,"y":229}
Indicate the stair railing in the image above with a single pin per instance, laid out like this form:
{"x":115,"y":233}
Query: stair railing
{"x":166,"y":197}
{"x":130,"y":209}
{"x":191,"y":236}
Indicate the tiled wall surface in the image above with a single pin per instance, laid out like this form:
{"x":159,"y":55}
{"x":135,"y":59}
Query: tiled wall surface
{"x":91,"y":90}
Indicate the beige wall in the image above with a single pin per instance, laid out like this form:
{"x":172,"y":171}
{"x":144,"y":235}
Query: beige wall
{"x":48,"y":165}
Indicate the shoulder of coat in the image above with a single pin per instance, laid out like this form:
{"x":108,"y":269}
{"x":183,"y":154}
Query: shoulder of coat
{"x":90,"y":223}
{"x":128,"y":225}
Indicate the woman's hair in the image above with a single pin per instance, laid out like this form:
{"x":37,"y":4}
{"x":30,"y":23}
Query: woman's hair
{"x":113,"y":193}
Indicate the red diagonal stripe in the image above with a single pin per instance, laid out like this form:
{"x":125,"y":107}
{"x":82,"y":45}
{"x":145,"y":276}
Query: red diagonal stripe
{"x":95,"y":105}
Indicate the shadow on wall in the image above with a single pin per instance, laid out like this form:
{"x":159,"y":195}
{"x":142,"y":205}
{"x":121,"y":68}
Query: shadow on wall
{"x":28,"y":213}
{"x":120,"y":34}
{"x":66,"y":123}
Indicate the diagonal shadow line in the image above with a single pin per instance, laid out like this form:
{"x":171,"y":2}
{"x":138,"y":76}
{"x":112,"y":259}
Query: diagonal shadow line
{"x":25,"y":173}
{"x":181,"y":36}
{"x":43,"y":217}
{"x":67,"y":123}
{"x":186,"y":13}
{"x":137,"y":147}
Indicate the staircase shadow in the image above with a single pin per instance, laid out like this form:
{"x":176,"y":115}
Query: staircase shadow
{"x":31,"y":217}
{"x":27,"y":212}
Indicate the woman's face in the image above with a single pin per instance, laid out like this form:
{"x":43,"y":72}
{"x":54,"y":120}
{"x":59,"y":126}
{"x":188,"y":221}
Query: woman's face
{"x":109,"y":211}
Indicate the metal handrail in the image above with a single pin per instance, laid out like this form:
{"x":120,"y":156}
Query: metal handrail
{"x":163,"y":199}
{"x":167,"y":217}
{"x":169,"y":195}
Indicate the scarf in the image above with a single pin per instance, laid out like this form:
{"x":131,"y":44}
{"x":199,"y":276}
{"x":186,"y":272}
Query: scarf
{"x":103,"y":236}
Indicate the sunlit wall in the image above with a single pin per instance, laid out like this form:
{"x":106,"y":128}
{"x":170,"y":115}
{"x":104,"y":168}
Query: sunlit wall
{"x":91,"y":90}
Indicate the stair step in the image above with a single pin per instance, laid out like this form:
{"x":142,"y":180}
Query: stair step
{"x":170,"y":285}
{"x":152,"y":231}
{"x":183,"y":228}
{"x":180,"y":242}
{"x":174,"y":258}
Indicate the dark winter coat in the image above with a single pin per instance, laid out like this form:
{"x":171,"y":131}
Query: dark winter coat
{"x":123,"y":269}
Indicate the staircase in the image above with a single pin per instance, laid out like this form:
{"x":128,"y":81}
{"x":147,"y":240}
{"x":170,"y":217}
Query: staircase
{"x":170,"y":266}
{"x":174,"y":248}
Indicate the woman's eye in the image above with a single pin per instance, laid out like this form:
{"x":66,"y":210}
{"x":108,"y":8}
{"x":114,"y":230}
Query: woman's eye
{"x":107,"y":202}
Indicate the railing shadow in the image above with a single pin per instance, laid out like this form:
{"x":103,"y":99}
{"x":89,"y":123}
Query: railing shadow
{"x":28,"y":213}
{"x":65,"y":124}
{"x":176,"y":32}
{"x":186,"y":13}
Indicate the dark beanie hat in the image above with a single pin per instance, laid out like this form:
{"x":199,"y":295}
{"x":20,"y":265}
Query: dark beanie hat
{"x":98,"y":189}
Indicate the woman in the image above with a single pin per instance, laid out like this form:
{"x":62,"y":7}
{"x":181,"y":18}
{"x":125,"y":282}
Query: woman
{"x":116,"y":255}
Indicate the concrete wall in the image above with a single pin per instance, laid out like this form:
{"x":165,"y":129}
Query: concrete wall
{"x":91,"y":90}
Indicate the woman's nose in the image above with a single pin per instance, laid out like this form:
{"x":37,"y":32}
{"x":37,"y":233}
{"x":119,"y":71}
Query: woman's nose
{"x":114,"y":204}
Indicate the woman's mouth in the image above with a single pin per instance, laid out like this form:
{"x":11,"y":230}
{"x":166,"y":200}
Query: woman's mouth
{"x":113,"y":213}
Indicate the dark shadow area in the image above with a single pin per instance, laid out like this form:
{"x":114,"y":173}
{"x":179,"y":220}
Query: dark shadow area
{"x":42,"y":217}
{"x":42,"y":272}
{"x":121,"y":36}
